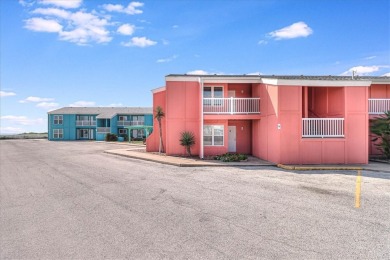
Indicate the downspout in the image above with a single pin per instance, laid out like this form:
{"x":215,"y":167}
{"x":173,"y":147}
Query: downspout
{"x":201,"y":152}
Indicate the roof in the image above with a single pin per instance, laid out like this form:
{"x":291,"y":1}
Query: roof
{"x":292,"y":80}
{"x":103,"y":112}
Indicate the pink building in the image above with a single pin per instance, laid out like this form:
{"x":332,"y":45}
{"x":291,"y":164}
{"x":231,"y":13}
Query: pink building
{"x":282,"y":119}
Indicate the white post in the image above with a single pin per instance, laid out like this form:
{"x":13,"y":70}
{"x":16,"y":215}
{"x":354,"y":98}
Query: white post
{"x":201,"y":152}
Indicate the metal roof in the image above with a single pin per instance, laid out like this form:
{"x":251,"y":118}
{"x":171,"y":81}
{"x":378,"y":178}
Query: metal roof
{"x":288,"y":77}
{"x":103,"y":112}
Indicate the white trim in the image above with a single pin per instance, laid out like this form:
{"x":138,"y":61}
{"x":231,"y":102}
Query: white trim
{"x":156,"y":90}
{"x":316,"y":83}
{"x":60,"y":132}
{"x":213,"y":135}
{"x":201,"y":152}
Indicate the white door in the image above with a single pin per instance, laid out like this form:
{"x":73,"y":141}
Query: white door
{"x":232,"y":139}
{"x":231,"y":93}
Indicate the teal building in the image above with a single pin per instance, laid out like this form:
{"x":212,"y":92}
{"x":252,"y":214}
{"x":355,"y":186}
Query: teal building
{"x":94,"y":123}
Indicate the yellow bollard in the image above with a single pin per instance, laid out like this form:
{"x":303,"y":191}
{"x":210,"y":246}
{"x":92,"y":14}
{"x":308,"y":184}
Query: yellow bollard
{"x":358,"y":188}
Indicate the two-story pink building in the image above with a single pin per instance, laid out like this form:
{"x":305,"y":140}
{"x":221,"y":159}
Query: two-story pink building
{"x":282,"y":119}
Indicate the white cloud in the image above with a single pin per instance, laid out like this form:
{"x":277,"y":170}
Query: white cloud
{"x":25,"y":3}
{"x":131,"y":9}
{"x":62,"y":3}
{"x":52,"y":12}
{"x":139,"y":42}
{"x":167,"y":59}
{"x":82,"y":103}
{"x":364,"y":70}
{"x":299,"y":29}
{"x":42,"y":25}
{"x":386,"y":74}
{"x":126,"y":29}
{"x":197,"y":72}
{"x":262,"y":42}
{"x":11,"y":130}
{"x":7,"y":94}
{"x":36,"y":99}
{"x":115,"y":105}
{"x":370,"y":58}
{"x":87,"y":27}
{"x":47,"y":105}
{"x":165,"y":42}
{"x":254,"y":73}
{"x":22,"y":120}
{"x":175,"y":26}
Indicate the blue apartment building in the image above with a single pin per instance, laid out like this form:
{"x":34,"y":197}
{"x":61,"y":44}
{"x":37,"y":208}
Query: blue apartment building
{"x":93,"y":123}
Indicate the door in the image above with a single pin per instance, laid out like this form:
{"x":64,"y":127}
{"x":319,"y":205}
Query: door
{"x":232,"y":139}
{"x":91,"y":134}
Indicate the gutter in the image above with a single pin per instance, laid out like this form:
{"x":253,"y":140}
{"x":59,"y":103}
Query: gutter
{"x":201,"y":152}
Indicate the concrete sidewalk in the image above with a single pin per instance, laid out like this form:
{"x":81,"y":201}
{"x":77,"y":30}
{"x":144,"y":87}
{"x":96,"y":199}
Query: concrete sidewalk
{"x":185,"y":162}
{"x":252,"y":161}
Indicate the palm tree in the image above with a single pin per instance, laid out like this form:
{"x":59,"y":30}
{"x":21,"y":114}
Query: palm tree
{"x":159,"y":114}
{"x":187,"y":140}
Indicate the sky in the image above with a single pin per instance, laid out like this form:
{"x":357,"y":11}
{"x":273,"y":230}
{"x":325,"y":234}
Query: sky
{"x":58,"y":53}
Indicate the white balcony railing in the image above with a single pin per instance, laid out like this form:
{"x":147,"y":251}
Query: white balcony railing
{"x":85,"y":123}
{"x":378,"y":106}
{"x":231,"y":106}
{"x":322,"y":127}
{"x":103,"y":129}
{"x":129,"y":123}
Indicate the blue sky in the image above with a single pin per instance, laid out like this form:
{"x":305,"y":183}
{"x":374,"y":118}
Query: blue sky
{"x":57,"y":53}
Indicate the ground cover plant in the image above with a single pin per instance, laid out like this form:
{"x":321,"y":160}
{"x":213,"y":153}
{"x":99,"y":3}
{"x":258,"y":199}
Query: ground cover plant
{"x":231,"y":157}
{"x":380,"y":128}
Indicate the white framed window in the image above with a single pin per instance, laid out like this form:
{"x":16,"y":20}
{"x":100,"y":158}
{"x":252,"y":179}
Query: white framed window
{"x":58,"y":133}
{"x":212,"y":95}
{"x":122,"y":118}
{"x":138,"y":118}
{"x":213,"y":135}
{"x":122,"y":131}
{"x":213,"y":92}
{"x":58,"y":119}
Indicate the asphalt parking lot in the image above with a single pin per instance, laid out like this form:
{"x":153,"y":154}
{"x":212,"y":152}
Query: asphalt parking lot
{"x":70,"y":200}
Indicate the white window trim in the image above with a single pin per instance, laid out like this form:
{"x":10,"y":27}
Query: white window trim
{"x":122,"y":130}
{"x":122,"y":118}
{"x":213,"y":135}
{"x":212,"y":90}
{"x":59,"y":118}
{"x":59,"y":134}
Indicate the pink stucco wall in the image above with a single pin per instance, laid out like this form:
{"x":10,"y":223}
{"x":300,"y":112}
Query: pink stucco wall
{"x":182,"y":114}
{"x":153,"y":141}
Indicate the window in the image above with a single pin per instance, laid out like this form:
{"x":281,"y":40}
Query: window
{"x":58,"y":133}
{"x":138,"y":118}
{"x":82,"y":118}
{"x":211,"y":92}
{"x":122,"y":131}
{"x":58,"y":119}
{"x":213,"y":135}
{"x":122,"y":118}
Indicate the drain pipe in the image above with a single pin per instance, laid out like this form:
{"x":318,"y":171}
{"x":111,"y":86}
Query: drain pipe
{"x":201,"y":152}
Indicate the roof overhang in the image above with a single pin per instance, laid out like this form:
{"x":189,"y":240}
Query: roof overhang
{"x":156,"y":90}
{"x":316,"y":83}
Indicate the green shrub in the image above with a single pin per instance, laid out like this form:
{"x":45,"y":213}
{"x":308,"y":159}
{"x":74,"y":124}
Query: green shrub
{"x":187,"y":139}
{"x":111,"y":137}
{"x":231,"y":157}
{"x":380,"y":128}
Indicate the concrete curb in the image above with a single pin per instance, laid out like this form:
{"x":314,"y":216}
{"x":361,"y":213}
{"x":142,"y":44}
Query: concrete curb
{"x":319,"y":168}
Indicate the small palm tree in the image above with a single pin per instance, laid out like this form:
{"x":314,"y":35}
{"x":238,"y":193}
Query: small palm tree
{"x":380,"y":127}
{"x":187,"y":140}
{"x":159,"y":115}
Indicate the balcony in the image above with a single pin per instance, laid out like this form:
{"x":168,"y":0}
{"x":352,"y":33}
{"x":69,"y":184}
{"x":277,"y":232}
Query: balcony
{"x":103,"y":129}
{"x":322,"y":127}
{"x":85,"y":123}
{"x":129,"y":123}
{"x":378,"y":106}
{"x":232,"y":106}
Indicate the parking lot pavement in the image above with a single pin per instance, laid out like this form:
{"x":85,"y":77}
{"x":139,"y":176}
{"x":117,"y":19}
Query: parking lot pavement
{"x":66,"y":200}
